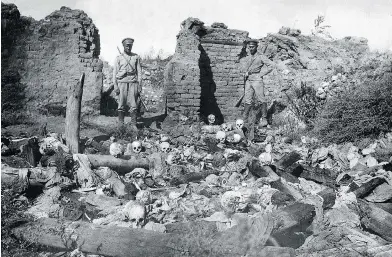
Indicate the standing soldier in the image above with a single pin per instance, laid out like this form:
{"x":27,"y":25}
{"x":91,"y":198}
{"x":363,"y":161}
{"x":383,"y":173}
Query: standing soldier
{"x":127,"y":78}
{"x":254,"y":67}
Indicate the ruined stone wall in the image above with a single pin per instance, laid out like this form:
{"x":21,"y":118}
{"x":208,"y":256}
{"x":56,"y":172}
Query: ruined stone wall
{"x":51,"y":54}
{"x":203,"y":77}
{"x":220,"y":80}
{"x":182,"y":73}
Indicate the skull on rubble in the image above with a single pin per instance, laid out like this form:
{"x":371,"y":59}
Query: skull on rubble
{"x":231,"y":201}
{"x":239,"y":124}
{"x":136,"y":146}
{"x":116,"y":149}
{"x":173,"y":158}
{"x":236,"y":138}
{"x":211,"y":119}
{"x":165,"y":147}
{"x":164,"y":138}
{"x":268,"y":148}
{"x":183,"y":118}
{"x":221,"y":136}
{"x":136,"y":213}
{"x":226,"y":127}
{"x":144,"y":197}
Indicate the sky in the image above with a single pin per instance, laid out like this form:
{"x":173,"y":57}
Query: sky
{"x":154,"y":24}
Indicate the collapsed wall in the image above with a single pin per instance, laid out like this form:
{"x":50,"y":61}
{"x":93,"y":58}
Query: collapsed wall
{"x":203,"y":76}
{"x":50,"y":55}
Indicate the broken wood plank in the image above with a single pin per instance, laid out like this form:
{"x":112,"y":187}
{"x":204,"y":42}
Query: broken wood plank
{"x":119,"y":165}
{"x":192,"y":177}
{"x":286,"y":188}
{"x":367,"y":187}
{"x":323,"y":176}
{"x":385,"y":206}
{"x":121,"y":242}
{"x":72,"y":118}
{"x":287,"y":160}
{"x":375,"y":219}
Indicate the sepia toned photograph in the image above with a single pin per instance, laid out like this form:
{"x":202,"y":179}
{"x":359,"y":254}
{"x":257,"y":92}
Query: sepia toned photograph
{"x":253,"y":128}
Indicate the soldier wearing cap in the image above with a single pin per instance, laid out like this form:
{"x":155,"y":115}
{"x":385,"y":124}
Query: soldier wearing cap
{"x":254,"y":68}
{"x":127,"y":79}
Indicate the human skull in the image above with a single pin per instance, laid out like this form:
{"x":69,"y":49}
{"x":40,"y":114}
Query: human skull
{"x":211,"y":119}
{"x":137,"y":173}
{"x":231,"y":201}
{"x":164,"y":138}
{"x":136,"y":146}
{"x":165,"y":147}
{"x":173,"y":158}
{"x":239,"y":124}
{"x":227,"y":127}
{"x":221,"y":136}
{"x":136,"y":213}
{"x":183,"y":118}
{"x":268,"y":148}
{"x":144,"y":197}
{"x":116,"y":149}
{"x":236,"y":138}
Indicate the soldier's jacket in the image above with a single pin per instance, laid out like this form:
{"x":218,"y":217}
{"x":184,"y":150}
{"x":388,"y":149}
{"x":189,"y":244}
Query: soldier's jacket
{"x":127,"y":68}
{"x":256,"y":66}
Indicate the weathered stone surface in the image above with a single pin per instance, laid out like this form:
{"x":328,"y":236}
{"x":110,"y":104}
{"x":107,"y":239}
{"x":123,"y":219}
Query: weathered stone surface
{"x":51,"y":54}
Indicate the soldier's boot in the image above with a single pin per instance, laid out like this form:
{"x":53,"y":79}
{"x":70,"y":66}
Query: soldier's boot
{"x":133,"y":119}
{"x":263,"y":110}
{"x":121,"y":116}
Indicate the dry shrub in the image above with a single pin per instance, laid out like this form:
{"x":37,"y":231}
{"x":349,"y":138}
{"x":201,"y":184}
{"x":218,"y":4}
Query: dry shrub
{"x":364,"y":111}
{"x":289,"y":125}
{"x":304,"y":103}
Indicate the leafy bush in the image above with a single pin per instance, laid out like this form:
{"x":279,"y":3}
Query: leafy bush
{"x":363,"y":111}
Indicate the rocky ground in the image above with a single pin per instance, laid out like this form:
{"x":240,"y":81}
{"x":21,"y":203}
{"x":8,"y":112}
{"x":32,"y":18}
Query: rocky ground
{"x":176,"y":175}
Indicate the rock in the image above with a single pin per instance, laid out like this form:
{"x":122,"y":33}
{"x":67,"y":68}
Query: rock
{"x":370,"y":149}
{"x":157,"y":227}
{"x":354,"y":162}
{"x":219,"y":25}
{"x":371,"y":161}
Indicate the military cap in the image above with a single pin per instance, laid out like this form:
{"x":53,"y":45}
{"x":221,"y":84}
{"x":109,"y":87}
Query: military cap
{"x":252,"y":41}
{"x":128,"y":39}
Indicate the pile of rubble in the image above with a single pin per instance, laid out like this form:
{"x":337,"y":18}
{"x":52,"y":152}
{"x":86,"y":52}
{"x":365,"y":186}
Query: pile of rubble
{"x":195,"y":182}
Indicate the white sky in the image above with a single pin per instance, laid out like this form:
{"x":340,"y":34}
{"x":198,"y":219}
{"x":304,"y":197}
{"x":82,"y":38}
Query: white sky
{"x":154,"y":24}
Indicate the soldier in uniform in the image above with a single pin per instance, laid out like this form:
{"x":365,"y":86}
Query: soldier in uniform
{"x":127,"y":79}
{"x":254,"y":68}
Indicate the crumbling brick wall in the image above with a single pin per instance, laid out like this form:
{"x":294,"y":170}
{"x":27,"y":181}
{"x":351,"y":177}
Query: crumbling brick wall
{"x":51,"y":54}
{"x":203,"y":77}
{"x":182,"y":73}
{"x":220,"y":79}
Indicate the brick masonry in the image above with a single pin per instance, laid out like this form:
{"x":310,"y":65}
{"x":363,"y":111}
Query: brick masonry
{"x":203,"y":77}
{"x":51,"y":54}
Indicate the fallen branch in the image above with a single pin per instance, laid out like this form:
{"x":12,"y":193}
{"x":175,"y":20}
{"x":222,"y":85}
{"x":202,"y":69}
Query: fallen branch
{"x":119,"y":165}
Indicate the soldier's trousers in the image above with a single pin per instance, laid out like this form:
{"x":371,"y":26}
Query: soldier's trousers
{"x":127,"y":100}
{"x":254,"y":89}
